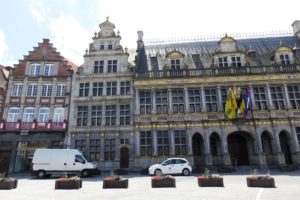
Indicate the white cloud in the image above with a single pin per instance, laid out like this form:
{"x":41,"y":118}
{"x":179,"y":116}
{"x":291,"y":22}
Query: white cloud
{"x":39,"y":11}
{"x":69,"y":37}
{"x":3,"y":46}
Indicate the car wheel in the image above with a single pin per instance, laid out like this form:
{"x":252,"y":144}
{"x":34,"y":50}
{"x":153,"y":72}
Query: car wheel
{"x":185,"y":172}
{"x":41,"y":174}
{"x":158,"y":172}
{"x":84,"y":173}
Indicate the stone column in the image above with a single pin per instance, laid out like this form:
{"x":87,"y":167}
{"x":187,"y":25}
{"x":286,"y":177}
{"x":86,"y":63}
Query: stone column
{"x":104,"y":88}
{"x":204,"y":109}
{"x":153,"y":101}
{"x":170,"y":101}
{"x":207,"y":153}
{"x":137,"y":143}
{"x":172,"y":143}
{"x":226,"y":155}
{"x":187,"y":100}
{"x":220,"y":104}
{"x":118,"y":114}
{"x":154,"y":142}
{"x":54,"y":89}
{"x":280,"y":155}
{"x":261,"y":155}
{"x":271,"y":106}
{"x":102,"y":148}
{"x":190,"y":144}
{"x":137,"y":102}
{"x":252,"y":98}
{"x":103,"y":114}
{"x":287,"y":98}
{"x":118,"y":87}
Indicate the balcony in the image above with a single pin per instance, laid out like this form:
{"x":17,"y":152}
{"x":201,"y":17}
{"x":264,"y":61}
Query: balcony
{"x":33,"y":126}
{"x":229,"y":71}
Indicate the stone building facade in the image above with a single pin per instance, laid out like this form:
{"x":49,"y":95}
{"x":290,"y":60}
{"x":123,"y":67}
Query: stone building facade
{"x":180,"y":93}
{"x":101,"y":120}
{"x":36,"y":108}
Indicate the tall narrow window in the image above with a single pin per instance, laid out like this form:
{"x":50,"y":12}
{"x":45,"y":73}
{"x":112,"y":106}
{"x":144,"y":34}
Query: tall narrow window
{"x":17,"y":89}
{"x":294,"y":96}
{"x":101,"y":46}
{"x":82,"y":115}
{"x":236,"y":61}
{"x":110,"y":46}
{"x":13,"y":114}
{"x":47,"y":90}
{"x":97,"y":89}
{"x":163,"y":143}
{"x":111,"y":88}
{"x":61,"y":90}
{"x":224,"y":96}
{"x":112,"y":66}
{"x":98,"y":66}
{"x":162,"y":101}
{"x":49,"y":70}
{"x":180,"y":142}
{"x":284,"y":59}
{"x":223,"y":62}
{"x":58,"y":115}
{"x":94,"y":150}
{"x":84,"y":89}
{"x":43,"y":114}
{"x":195,"y":100}
{"x":96,"y":115}
{"x":260,"y":98}
{"x":278,"y":99}
{"x":28,"y":115}
{"x":146,"y":143}
{"x":145,"y":102}
{"x":124,"y":114}
{"x":211,"y":99}
{"x":31,"y":90}
{"x":35,"y":69}
{"x":110,"y":115}
{"x":109,"y":149}
{"x":178,"y":101}
{"x":298,"y":134}
{"x":125,"y":87}
{"x":175,"y":64}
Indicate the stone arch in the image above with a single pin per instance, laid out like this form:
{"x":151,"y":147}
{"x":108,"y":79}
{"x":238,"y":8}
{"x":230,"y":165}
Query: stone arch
{"x":285,"y":141}
{"x":268,"y":146}
{"x":215,"y":143}
{"x":198,"y":150}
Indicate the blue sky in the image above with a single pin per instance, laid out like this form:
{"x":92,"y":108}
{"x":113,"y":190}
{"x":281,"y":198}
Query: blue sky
{"x":70,"y":24}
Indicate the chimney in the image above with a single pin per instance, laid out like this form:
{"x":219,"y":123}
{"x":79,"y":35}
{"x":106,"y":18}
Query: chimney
{"x":296,"y":28}
{"x":140,"y":35}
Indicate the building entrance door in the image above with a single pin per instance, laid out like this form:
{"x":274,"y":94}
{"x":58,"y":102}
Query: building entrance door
{"x":4,"y":161}
{"x":237,"y":146}
{"x":124,"y":157}
{"x":285,"y":148}
{"x":198,"y":151}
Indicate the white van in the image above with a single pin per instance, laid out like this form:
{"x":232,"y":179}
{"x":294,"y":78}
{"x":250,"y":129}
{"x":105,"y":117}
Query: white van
{"x":47,"y":162}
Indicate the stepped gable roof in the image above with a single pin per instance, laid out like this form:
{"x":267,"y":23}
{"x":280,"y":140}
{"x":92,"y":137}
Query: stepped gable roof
{"x":47,"y":53}
{"x":263,"y":47}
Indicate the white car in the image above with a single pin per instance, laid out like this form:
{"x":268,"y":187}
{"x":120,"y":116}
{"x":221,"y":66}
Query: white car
{"x":171,"y":166}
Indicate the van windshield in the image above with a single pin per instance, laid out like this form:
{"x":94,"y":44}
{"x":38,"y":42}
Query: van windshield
{"x":80,"y":159}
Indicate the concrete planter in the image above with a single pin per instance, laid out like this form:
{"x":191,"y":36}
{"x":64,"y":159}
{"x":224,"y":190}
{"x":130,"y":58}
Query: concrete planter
{"x":261,"y":182}
{"x":210,"y":182}
{"x":163,"y":182}
{"x":115,"y":183}
{"x":8,"y":184}
{"x":68,"y":184}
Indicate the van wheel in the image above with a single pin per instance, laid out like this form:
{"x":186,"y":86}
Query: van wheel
{"x":185,"y":172}
{"x":158,"y":172}
{"x":84,"y":173}
{"x":41,"y":174}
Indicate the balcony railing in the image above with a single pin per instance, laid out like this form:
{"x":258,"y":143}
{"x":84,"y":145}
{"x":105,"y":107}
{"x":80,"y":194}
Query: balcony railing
{"x":229,"y":71}
{"x":33,"y":126}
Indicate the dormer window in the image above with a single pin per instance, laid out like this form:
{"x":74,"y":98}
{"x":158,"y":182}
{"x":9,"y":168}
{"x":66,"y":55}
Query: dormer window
{"x":236,"y":61}
{"x":284,"y":59}
{"x":49,"y":70}
{"x":175,"y":64}
{"x":35,"y":69}
{"x":223,"y":62}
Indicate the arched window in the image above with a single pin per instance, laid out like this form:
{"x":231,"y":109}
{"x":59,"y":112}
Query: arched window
{"x":43,"y":114}
{"x":28,"y":115}
{"x":13,"y":114}
{"x":35,"y":69}
{"x":58,"y":115}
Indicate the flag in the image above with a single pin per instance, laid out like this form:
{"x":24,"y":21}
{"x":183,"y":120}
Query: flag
{"x":247,"y":103}
{"x":230,"y":105}
{"x":241,"y":103}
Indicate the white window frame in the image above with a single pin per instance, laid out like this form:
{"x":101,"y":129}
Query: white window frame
{"x":222,"y":62}
{"x":237,"y":61}
{"x":59,"y":115}
{"x":35,"y":69}
{"x":61,"y":90}
{"x":49,"y":69}
{"x":285,"y":60}
{"x":44,"y":113}
{"x":31,"y":90}
{"x":175,"y":64}
{"x":47,"y":90}
{"x":13,"y":114}
{"x":28,"y":114}
{"x":17,"y":89}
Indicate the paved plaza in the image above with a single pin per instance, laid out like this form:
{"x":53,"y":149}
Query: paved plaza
{"x":287,"y":188}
